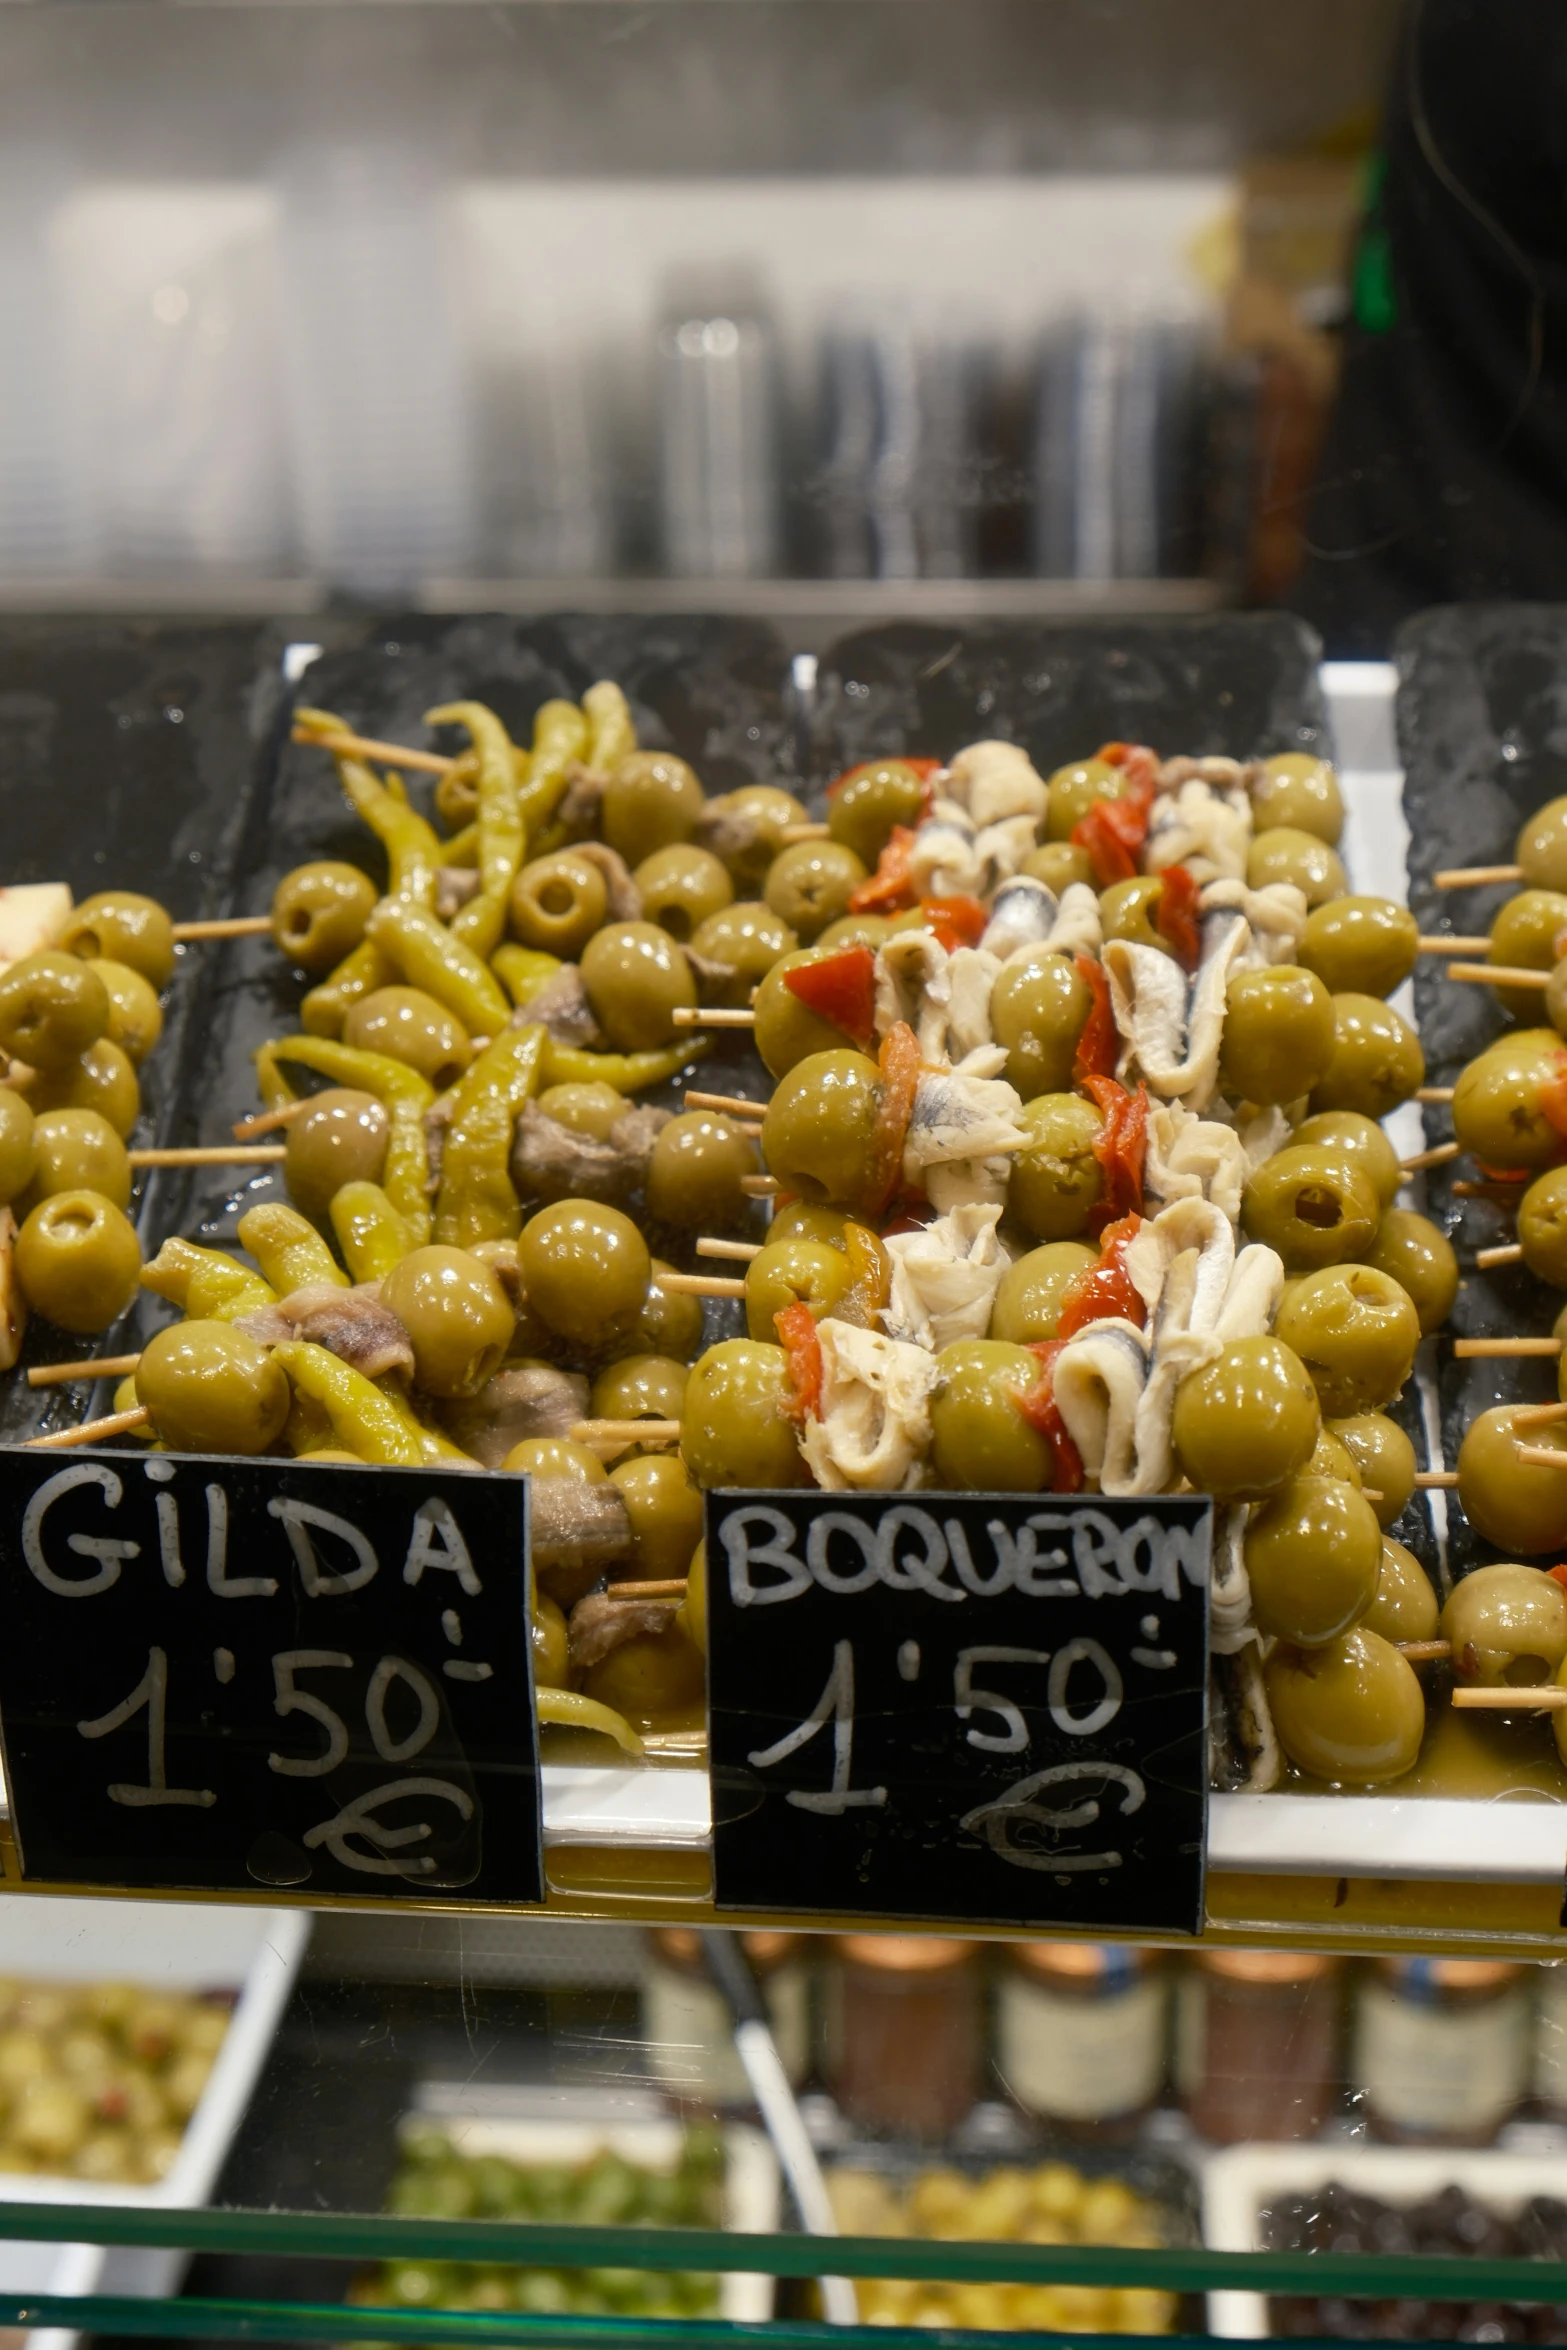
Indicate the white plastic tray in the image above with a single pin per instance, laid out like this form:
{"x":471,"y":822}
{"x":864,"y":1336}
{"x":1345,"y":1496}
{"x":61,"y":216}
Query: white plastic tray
{"x":1239,"y":2184}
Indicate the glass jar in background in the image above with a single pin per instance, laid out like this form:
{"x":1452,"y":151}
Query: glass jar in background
{"x":1257,"y":2043}
{"x":904,"y":2039}
{"x":1080,"y":2034}
{"x":1441,"y":2048}
{"x":686,"y":2024}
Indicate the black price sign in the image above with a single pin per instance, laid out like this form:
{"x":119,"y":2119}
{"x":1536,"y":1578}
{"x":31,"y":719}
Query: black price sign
{"x":970,"y":1706}
{"x":231,"y":1674}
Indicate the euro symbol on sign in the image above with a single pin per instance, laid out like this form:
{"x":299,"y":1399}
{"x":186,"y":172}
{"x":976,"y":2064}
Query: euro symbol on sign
{"x":358,"y":1819}
{"x":1021,"y":1829}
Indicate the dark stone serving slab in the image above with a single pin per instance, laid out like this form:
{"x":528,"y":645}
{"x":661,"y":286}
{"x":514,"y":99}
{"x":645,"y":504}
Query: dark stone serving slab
{"x":1482,"y":731}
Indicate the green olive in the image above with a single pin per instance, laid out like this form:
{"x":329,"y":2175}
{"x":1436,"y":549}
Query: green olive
{"x":647,"y":1677}
{"x":680,"y":887}
{"x":691,"y":1615}
{"x":209,"y":1388}
{"x":639,"y":1387}
{"x":1127,"y":910}
{"x":556,"y":1456}
{"x":810,"y":883}
{"x":18,"y":1152}
{"x":1315,"y":1207}
{"x":856,"y":930}
{"x":1377,"y":1062}
{"x":78,"y":1261}
{"x":800,"y":1220}
{"x":747,"y":940}
{"x":665,"y":1510}
{"x":1033,"y":1291}
{"x":52,"y":1008}
{"x":1385,"y":1458}
{"x":319,"y":912}
{"x":745,"y":829}
{"x":652,"y":799}
{"x":1512,"y":1502}
{"x":1356,"y":1331}
{"x":1058,"y":864}
{"x":980,"y":1441}
{"x":410,"y":1026}
{"x":1528,"y":935}
{"x":1278,"y":1034}
{"x":1073,"y":791}
{"x":786,"y":1030}
{"x":1542,"y":847}
{"x":1038,"y":1008}
{"x":557,"y":903}
{"x":1245,"y":1423}
{"x":593,"y":1109}
{"x":788,"y":1272}
{"x":636,"y":979}
{"x":1313,"y":1555}
{"x":1056,"y":1183}
{"x":1332,"y":1460}
{"x":1287,"y":854}
{"x":1497,"y":1116}
{"x":736,"y":1428}
{"x":585,"y":1270}
{"x":340,"y":1139}
{"x":1352,"y":1713}
{"x":1555,"y":999}
{"x":1507,"y":1627}
{"x":76,"y":1150}
{"x":130,"y":928}
{"x":700,"y":1159}
{"x":102,"y":1080}
{"x":135,"y":1014}
{"x":1361,"y":1140}
{"x":551,"y":1644}
{"x":1301,"y":793}
{"x":819,"y":1131}
{"x":1420,"y":1259}
{"x":1405,"y":1607}
{"x":863,"y":809}
{"x":1542,"y":1227}
{"x":669,"y":1321}
{"x":1360,"y":946}
{"x":457,"y":1314}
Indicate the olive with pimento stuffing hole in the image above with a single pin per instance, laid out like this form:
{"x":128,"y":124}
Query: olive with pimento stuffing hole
{"x":1127,"y":910}
{"x":1356,"y":1331}
{"x":680,"y":887}
{"x":131,"y":928}
{"x":1278,"y":1034}
{"x":78,"y":1261}
{"x":1314,"y":1207}
{"x":557,"y":903}
{"x":639,"y":1387}
{"x":76,"y":1150}
{"x":1507,"y":1627}
{"x":1362,"y":1141}
{"x":319,"y":912}
{"x":52,"y":1008}
{"x":793,"y":1272}
{"x":745,"y":829}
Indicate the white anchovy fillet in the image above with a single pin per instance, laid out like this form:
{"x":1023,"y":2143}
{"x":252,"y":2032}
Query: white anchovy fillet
{"x":873,"y":1432}
{"x":913,"y":985}
{"x":1172,"y":1029}
{"x":943,"y":861}
{"x":1276,"y":916}
{"x":1097,"y":1384}
{"x":1252,"y":1299}
{"x":968,"y":1183}
{"x":1229,"y":1592}
{"x":994,"y":779}
{"x":1077,"y":929}
{"x":945,"y":1278}
{"x":1180,"y":1264}
{"x":1002,"y":847}
{"x":1227,"y":774}
{"x":959,"y":1114}
{"x":1205,"y":830}
{"x":1194,"y":1158}
{"x":971,"y":973}
{"x":1023,"y":913}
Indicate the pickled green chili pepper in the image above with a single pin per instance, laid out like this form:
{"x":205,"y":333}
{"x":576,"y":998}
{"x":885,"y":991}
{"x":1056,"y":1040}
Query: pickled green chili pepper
{"x":523,"y":971}
{"x":428,"y":955}
{"x":327,"y":1005}
{"x":436,"y":1448}
{"x":560,"y":737}
{"x":462,"y":848}
{"x":363,"y":1420}
{"x":481,"y":923}
{"x":288,"y":1248}
{"x":206,"y":1283}
{"x":573,"y":1711}
{"x":412,"y":849}
{"x":404,"y":1093}
{"x":478,"y":1201}
{"x":611,"y":734}
{"x":370,"y":1232}
{"x":569,"y":1064}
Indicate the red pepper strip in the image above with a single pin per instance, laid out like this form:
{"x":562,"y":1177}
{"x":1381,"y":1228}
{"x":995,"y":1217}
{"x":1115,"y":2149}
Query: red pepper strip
{"x":1040,"y":1409}
{"x":1558,"y":1574}
{"x":840,"y":988}
{"x":889,"y":890}
{"x":1098,"y":1046}
{"x":957,"y":921}
{"x":870,"y":1283}
{"x":1104,"y":1292}
{"x":1120,"y":1146}
{"x":900,"y":1073}
{"x":1175,"y":915}
{"x":1112,"y":832}
{"x":796,"y":1328}
{"x":1505,"y":1174}
{"x":1138,"y":761}
{"x":1553,"y":1097}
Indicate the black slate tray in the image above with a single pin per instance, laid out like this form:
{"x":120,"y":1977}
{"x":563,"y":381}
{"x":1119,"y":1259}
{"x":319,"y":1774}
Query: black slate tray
{"x":1482,"y":731}
{"x":131,"y":755}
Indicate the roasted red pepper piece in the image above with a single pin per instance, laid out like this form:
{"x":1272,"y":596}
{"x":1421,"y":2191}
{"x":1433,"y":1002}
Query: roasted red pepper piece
{"x":1113,"y":831}
{"x":1558,"y":1574}
{"x":1105,"y":1292}
{"x":956,"y":921}
{"x":796,"y":1328}
{"x":1553,"y":1097}
{"x":889,"y":890}
{"x":900,"y":1073}
{"x":1098,"y":1046}
{"x":1040,"y":1409}
{"x":1121,"y":1147}
{"x":840,"y":988}
{"x":1175,"y":915}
